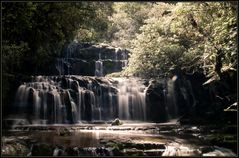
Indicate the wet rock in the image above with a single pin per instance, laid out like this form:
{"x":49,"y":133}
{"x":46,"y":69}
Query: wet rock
{"x":14,"y":123}
{"x":58,"y":151}
{"x":42,"y":149}
{"x":103,"y":141}
{"x":72,"y":151}
{"x":63,"y":131}
{"x":154,"y":146}
{"x":153,"y":152}
{"x":115,"y":144}
{"x":133,"y":152}
{"x":206,"y":149}
{"x":102,"y":152}
{"x":139,"y":146}
{"x":90,"y":128}
{"x":116,"y":122}
{"x":219,"y":151}
{"x":117,"y":152}
{"x":87,"y":152}
{"x":14,"y":149}
{"x":143,"y":146}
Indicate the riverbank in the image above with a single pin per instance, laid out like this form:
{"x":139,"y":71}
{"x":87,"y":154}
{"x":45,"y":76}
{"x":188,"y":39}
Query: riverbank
{"x":129,"y":139}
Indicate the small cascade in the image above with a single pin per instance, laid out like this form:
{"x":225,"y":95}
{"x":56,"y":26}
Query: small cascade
{"x":22,"y":94}
{"x":90,"y":60}
{"x":36,"y":103}
{"x":170,"y":98}
{"x":99,"y":67}
{"x":92,"y":97}
{"x":131,"y":102}
{"x":73,"y":99}
{"x":124,"y":59}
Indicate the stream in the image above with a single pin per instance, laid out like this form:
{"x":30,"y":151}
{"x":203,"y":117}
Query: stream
{"x":103,"y":139}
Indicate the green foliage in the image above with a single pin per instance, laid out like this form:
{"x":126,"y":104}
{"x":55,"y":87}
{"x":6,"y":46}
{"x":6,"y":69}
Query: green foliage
{"x":161,"y":36}
{"x":97,"y":23}
{"x":126,"y":21}
{"x":34,"y":33}
{"x":191,"y":36}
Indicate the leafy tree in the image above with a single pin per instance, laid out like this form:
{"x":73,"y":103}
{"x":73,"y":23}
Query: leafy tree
{"x":191,"y":36}
{"x":126,"y":21}
{"x":34,"y":33}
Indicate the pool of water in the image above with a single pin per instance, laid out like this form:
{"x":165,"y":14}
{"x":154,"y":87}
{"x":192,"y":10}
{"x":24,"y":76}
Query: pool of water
{"x":92,"y":135}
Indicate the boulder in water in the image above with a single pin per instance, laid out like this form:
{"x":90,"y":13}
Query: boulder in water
{"x":116,"y":122}
{"x":63,"y":131}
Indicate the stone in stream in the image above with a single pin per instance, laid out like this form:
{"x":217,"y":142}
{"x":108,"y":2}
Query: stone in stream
{"x":58,"y":151}
{"x":116,"y":122}
{"x":206,"y":149}
{"x":63,"y":131}
{"x":101,"y":151}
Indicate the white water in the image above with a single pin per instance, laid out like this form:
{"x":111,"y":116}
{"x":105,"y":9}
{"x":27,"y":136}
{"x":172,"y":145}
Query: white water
{"x":93,"y":102}
{"x":99,"y":67}
{"x":131,"y":102}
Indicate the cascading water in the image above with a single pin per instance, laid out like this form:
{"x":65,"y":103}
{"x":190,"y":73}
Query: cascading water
{"x":72,"y":99}
{"x":91,"y":60}
{"x":170,"y":100}
{"x":131,"y":102}
{"x":99,"y":67}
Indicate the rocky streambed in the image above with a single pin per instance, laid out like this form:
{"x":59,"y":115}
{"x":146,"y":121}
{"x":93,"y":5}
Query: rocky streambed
{"x":129,"y":139}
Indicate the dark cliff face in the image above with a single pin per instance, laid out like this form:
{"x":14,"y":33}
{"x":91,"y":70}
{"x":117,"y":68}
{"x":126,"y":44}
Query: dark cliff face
{"x":170,"y":98}
{"x":91,"y":60}
{"x":213,"y":98}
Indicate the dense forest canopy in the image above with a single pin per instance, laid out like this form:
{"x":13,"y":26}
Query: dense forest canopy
{"x":35,"y":33}
{"x":192,"y":36}
{"x":196,"y":36}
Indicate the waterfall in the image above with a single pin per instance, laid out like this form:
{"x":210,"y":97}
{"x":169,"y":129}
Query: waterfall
{"x":21,"y":99}
{"x":36,"y":103}
{"x":124,"y":59}
{"x":70,"y":98}
{"x":131,"y":102}
{"x":170,"y":98}
{"x":57,"y":107}
{"x":90,"y":60}
{"x":73,"y":99}
{"x":99,"y":67}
